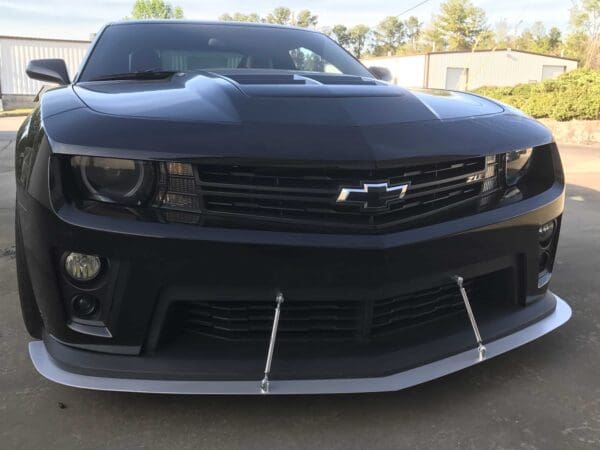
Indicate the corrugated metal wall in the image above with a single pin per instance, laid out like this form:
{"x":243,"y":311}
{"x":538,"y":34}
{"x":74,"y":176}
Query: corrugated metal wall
{"x":489,"y":68}
{"x":493,"y":68}
{"x":15,"y":53}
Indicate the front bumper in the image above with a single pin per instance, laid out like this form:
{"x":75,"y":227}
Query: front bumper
{"x":156,"y":265}
{"x":47,"y":366}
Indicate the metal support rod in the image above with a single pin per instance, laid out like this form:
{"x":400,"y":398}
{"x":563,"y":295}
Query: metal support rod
{"x":480,"y":347}
{"x":265,"y":383}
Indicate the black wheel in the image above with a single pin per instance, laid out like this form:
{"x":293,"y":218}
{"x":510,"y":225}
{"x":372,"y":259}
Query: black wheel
{"x":29,"y":309}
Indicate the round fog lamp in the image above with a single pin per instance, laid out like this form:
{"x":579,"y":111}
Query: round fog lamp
{"x":546,"y":232}
{"x":82,"y":267}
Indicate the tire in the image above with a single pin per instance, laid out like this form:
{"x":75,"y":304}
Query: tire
{"x":29,"y":309}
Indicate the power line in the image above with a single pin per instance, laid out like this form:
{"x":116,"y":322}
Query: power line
{"x":413,"y":7}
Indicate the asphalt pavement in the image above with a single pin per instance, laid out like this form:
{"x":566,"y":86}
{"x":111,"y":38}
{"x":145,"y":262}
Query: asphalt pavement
{"x":545,"y":395}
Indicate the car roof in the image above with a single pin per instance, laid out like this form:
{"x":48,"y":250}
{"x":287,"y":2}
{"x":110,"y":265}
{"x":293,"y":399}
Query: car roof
{"x":208,"y":22}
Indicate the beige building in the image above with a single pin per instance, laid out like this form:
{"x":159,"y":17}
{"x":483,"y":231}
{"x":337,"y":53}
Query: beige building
{"x":16,"y":89}
{"x":469,"y":70}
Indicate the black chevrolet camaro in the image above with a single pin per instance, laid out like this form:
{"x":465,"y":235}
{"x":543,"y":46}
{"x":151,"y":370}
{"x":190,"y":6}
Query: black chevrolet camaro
{"x":236,"y":209}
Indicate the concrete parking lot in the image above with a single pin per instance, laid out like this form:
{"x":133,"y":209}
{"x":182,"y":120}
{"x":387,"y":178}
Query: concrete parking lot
{"x":545,"y":395}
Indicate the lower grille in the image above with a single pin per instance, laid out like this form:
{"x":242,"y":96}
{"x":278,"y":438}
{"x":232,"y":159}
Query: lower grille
{"x":253,"y":320}
{"x":392,"y":315}
{"x":334,"y":320}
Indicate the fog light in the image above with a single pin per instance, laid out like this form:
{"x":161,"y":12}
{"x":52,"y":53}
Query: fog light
{"x":82,"y":267}
{"x":546,"y":233}
{"x":85,"y":305}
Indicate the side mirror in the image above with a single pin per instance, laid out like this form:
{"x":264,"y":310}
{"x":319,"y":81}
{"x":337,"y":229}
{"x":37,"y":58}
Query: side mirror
{"x":381,"y":73}
{"x":50,"y":70}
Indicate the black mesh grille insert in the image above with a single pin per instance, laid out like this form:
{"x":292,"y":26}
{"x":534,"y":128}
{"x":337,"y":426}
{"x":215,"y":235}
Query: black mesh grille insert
{"x":308,"y":197}
{"x":253,"y":320}
{"x":333,"y":320}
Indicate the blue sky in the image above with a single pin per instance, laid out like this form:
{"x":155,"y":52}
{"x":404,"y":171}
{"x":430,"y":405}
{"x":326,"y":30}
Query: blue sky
{"x":77,"y":19}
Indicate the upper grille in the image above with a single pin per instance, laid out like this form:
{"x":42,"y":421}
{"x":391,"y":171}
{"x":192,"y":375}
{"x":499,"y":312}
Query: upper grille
{"x":307,"y":197}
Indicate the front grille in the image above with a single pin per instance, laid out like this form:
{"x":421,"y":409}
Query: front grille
{"x":331,"y":320}
{"x":308,"y":197}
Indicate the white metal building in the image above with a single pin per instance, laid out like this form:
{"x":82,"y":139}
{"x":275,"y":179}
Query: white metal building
{"x":16,"y":89}
{"x":470,"y":70}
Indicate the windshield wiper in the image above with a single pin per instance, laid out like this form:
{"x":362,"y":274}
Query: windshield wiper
{"x":140,"y":75}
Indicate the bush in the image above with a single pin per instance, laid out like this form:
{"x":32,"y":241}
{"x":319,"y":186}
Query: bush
{"x":574,"y":95}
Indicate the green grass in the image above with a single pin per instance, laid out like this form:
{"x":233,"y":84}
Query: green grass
{"x":574,"y":95}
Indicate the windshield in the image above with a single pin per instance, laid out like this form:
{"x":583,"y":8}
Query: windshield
{"x":182,"y":47}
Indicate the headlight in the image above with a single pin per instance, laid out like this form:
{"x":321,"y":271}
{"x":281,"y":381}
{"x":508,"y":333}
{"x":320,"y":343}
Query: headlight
{"x":517,"y":164}
{"x":123,"y":181}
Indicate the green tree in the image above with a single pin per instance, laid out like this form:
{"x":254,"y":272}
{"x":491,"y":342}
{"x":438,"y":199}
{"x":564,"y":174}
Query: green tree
{"x":585,"y":16}
{"x":413,"y":31}
{"x":544,"y":42}
{"x":485,"y":40}
{"x":389,"y":35}
{"x":461,"y":23}
{"x":525,"y":41}
{"x":240,"y":17}
{"x":280,"y":16}
{"x":576,"y":45}
{"x":306,"y":19}
{"x":155,"y":9}
{"x":434,"y":39}
{"x":554,"y":39}
{"x":341,"y":35}
{"x":584,"y":41}
{"x":358,"y":36}
{"x":538,"y":30}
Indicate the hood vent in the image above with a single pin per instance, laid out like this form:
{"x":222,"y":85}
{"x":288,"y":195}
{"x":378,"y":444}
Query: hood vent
{"x":266,"y":79}
{"x":341,"y":80}
{"x":286,"y":80}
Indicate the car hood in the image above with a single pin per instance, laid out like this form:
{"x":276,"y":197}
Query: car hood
{"x":279,"y":117}
{"x":233,"y":97}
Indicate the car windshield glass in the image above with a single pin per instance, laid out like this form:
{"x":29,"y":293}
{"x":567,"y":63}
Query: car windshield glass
{"x":182,"y":47}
